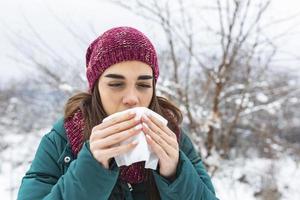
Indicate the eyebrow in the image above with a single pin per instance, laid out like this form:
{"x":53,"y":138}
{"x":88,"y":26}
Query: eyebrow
{"x":118,"y":76}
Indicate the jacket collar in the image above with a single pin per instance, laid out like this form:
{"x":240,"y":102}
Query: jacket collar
{"x":59,"y":128}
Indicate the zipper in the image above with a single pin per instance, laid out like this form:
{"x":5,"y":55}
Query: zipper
{"x":130,"y":187}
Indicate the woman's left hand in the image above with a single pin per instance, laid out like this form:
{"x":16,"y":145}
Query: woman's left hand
{"x":164,"y":143}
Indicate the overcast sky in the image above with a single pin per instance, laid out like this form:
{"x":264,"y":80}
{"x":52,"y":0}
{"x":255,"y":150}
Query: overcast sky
{"x":103,"y":15}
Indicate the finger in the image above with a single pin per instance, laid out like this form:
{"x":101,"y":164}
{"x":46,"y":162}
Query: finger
{"x":161,"y":125}
{"x":115,"y":151}
{"x":122,"y":126}
{"x":158,"y":150}
{"x":115,"y":120}
{"x":170,"y":150}
{"x":117,"y":138}
{"x":170,"y":140}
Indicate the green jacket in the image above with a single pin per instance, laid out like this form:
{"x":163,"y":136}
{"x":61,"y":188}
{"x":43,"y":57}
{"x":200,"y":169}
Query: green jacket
{"x":56,"y":174}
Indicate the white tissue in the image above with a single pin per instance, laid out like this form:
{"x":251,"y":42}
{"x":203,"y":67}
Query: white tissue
{"x":142,"y":152}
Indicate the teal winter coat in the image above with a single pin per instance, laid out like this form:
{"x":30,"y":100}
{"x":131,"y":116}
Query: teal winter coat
{"x":56,"y":174}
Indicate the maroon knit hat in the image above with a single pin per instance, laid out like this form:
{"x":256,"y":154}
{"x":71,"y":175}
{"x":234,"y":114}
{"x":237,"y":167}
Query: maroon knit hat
{"x":117,"y":45}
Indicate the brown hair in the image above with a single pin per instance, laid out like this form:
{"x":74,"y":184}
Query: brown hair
{"x":93,"y":113}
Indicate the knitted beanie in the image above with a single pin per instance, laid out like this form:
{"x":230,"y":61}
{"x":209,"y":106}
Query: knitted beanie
{"x":117,"y":45}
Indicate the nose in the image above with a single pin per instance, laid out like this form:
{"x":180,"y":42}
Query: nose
{"x":130,"y":98}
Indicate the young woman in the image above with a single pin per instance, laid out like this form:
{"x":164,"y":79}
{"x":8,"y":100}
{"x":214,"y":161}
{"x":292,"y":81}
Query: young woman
{"x":75,"y":160}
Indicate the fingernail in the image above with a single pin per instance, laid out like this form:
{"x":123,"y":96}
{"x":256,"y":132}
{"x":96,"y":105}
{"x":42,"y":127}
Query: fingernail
{"x":148,"y":136}
{"x":135,"y":142}
{"x":146,"y":125}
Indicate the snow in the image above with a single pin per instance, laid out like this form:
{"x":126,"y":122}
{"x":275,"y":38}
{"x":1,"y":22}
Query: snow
{"x":286,"y":175}
{"x":232,"y":89}
{"x":15,"y":160}
{"x":294,"y":100}
{"x":66,"y":87}
{"x":262,"y":97}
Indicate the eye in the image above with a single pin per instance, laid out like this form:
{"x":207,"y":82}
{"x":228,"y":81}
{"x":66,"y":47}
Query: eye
{"x":115,"y":84}
{"x":144,"y":86}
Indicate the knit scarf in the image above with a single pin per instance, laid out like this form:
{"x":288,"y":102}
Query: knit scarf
{"x":74,"y":126}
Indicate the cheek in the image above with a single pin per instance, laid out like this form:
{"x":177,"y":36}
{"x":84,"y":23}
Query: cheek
{"x":109,"y":100}
{"x":146,"y":98}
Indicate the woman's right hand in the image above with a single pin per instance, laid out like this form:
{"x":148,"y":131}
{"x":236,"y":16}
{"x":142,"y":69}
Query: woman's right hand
{"x":106,"y":137}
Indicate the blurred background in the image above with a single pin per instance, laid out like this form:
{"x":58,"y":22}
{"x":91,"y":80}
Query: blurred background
{"x":232,"y":66}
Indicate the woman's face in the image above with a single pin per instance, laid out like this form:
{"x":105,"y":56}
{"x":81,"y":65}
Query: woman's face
{"x":126,"y":85}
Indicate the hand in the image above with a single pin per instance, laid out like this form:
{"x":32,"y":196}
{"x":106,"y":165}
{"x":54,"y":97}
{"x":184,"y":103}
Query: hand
{"x":106,"y":136}
{"x":164,"y":143}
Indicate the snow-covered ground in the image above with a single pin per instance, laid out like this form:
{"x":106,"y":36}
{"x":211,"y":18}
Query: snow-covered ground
{"x":15,"y":161}
{"x":236,"y":179}
{"x":243,"y":178}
